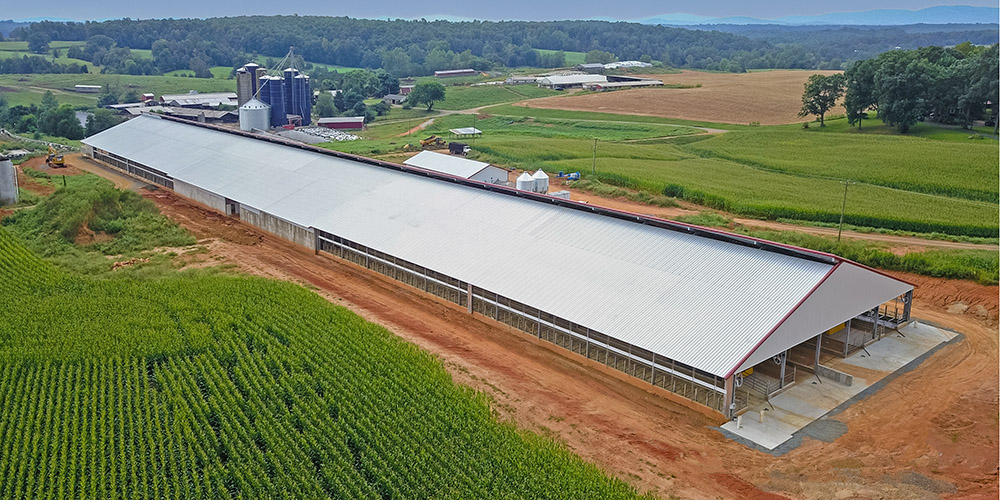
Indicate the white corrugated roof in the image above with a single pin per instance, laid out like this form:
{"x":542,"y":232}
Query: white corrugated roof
{"x":446,"y":164}
{"x":572,"y":79}
{"x":697,"y":300}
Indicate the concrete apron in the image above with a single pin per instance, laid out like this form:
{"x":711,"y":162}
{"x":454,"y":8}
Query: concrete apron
{"x":810,"y":399}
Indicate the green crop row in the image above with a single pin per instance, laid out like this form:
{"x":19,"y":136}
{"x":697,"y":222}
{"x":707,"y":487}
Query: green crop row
{"x":962,"y":170}
{"x":216,"y":387}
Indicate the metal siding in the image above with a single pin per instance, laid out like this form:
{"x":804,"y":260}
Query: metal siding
{"x":703,"y":302}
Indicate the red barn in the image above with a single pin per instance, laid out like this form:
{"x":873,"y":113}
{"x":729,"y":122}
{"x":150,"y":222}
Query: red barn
{"x":342,"y":122}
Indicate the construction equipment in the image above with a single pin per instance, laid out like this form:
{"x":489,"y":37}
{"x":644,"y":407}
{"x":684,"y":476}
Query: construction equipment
{"x":433,"y":142}
{"x":55,"y":159}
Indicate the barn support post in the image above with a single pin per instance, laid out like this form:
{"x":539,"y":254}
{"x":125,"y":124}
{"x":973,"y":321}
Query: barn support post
{"x":784,"y":357}
{"x":727,"y":400}
{"x":847,"y":337}
{"x":908,"y":301}
{"x":468,"y":302}
{"x":819,"y":343}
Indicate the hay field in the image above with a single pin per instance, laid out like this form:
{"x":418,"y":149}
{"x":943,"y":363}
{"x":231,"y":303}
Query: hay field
{"x":768,"y":97}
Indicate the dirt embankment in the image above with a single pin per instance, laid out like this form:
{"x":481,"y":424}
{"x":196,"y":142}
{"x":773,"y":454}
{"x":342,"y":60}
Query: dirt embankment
{"x":930,"y":431}
{"x":767,"y":97}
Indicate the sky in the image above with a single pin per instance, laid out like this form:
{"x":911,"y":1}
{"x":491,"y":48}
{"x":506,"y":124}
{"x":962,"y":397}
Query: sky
{"x":486,"y":10}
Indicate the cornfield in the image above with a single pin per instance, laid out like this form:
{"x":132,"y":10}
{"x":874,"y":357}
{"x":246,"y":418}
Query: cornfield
{"x":219,"y":387}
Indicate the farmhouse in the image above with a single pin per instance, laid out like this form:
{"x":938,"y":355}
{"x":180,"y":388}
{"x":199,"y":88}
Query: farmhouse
{"x":698,"y":315}
{"x":458,"y":166}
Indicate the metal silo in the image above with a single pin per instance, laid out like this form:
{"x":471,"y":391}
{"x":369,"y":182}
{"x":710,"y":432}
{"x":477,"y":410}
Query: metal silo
{"x":289,"y":85}
{"x":8,"y":182}
{"x":275,"y":91}
{"x":526,"y":182}
{"x":541,"y":182}
{"x":303,"y":102}
{"x":255,"y":115}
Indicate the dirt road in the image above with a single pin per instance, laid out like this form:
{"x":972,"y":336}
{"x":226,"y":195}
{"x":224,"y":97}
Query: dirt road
{"x":925,"y":432}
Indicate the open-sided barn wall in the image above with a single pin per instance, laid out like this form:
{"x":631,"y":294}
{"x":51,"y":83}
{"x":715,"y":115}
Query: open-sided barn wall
{"x":658,"y":371}
{"x":491,"y":174}
{"x":202,"y":196}
{"x":278,"y":226}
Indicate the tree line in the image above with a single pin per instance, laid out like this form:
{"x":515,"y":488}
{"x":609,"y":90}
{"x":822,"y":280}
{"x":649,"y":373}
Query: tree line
{"x":954,"y":85}
{"x":414,"y":48}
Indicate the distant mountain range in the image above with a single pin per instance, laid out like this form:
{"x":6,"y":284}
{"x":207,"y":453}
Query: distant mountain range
{"x":945,"y":14}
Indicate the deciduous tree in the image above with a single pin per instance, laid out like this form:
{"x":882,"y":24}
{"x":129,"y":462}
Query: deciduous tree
{"x":821,"y":95}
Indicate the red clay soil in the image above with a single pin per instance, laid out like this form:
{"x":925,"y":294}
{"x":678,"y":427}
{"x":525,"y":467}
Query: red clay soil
{"x":939,"y":420}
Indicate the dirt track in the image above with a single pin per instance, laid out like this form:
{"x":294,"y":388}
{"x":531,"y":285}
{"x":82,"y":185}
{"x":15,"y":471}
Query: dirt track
{"x":768,"y":97}
{"x":938,"y":421}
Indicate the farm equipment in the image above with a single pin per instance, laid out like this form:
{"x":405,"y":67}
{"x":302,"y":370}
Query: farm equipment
{"x":55,"y":159}
{"x":433,"y":142}
{"x":575,"y":176}
{"x":459,"y":148}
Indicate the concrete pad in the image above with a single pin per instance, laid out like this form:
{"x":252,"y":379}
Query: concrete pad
{"x":809,"y":399}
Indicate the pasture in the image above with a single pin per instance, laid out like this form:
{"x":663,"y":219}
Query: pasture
{"x":26,"y":89}
{"x":467,"y":97}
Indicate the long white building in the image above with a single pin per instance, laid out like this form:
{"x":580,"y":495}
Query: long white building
{"x":684,"y":309}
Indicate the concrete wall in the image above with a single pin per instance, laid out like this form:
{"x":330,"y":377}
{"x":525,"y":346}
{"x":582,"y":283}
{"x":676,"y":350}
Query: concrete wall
{"x":278,"y":227}
{"x":490,"y":174}
{"x":88,"y":151}
{"x":200,"y":195}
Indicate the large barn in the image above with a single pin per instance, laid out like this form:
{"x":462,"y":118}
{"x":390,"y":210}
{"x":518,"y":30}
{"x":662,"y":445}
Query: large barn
{"x":696,"y":314}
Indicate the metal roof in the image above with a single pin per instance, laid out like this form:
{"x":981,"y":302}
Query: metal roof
{"x":572,"y":79}
{"x":341,"y":119}
{"x":465,"y":131}
{"x":697,"y":296}
{"x":447,"y":164}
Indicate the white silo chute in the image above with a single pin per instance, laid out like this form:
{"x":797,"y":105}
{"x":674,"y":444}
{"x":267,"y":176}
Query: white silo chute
{"x":255,"y":115}
{"x":541,"y":182}
{"x":526,"y":182}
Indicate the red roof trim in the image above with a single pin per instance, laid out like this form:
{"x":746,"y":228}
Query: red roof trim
{"x":788,"y":315}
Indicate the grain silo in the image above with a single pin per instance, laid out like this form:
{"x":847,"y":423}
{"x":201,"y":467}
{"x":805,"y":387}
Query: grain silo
{"x":8,"y":182}
{"x":272,"y":93}
{"x":541,"y":182}
{"x":255,"y":114}
{"x":303,"y":104}
{"x":526,"y":182}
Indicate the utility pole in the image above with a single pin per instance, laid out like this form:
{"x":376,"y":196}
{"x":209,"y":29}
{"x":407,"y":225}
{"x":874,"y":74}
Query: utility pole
{"x":593,"y":167}
{"x":843,"y":208}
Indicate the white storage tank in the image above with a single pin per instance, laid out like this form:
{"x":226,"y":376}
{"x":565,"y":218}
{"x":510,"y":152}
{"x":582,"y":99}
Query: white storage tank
{"x":541,"y":182}
{"x":8,"y":182}
{"x":525,"y":182}
{"x":255,"y":115}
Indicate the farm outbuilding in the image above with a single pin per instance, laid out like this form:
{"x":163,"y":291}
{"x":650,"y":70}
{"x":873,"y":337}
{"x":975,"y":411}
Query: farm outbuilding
{"x":456,"y":72}
{"x":458,"y":166}
{"x":682,"y":310}
{"x":342,"y":122}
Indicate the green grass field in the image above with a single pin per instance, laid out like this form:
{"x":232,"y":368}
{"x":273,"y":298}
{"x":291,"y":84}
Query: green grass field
{"x":572,"y":58}
{"x":459,"y":98}
{"x":966,"y":170}
{"x":174,"y":388}
{"x":26,"y":89}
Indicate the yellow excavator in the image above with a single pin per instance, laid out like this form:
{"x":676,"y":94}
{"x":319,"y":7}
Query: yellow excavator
{"x":433,"y":142}
{"x":55,"y":159}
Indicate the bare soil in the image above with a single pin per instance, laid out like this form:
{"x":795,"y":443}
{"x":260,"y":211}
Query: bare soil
{"x":768,"y":97}
{"x":937,"y":423}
